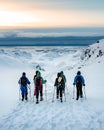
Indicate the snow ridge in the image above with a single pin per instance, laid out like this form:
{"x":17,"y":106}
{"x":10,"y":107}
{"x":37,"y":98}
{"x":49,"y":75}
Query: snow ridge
{"x":93,"y":53}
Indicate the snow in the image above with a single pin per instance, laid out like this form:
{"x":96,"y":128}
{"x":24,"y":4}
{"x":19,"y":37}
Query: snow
{"x":84,"y":114}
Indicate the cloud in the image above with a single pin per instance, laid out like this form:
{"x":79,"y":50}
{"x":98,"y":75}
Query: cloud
{"x":56,"y":32}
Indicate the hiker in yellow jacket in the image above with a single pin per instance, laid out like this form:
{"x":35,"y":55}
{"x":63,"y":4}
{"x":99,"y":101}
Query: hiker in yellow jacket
{"x":59,"y":83}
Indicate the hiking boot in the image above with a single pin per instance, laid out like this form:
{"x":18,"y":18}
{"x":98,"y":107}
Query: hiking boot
{"x":57,"y":97}
{"x":61,"y":100}
{"x":81,"y":96}
{"x":37,"y":102}
{"x":76,"y":98}
{"x":26,"y":98}
{"x":41,"y":99}
{"x":22,"y":97}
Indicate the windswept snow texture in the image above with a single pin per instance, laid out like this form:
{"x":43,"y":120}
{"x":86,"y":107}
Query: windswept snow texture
{"x":84,"y":114}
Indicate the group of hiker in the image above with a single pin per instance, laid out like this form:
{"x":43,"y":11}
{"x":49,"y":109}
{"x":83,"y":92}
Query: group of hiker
{"x":60,"y":83}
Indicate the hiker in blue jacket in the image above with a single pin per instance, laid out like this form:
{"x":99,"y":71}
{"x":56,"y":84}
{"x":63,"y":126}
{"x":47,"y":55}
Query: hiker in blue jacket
{"x":24,"y":81}
{"x":79,"y":82}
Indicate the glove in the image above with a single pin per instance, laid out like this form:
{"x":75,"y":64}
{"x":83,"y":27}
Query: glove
{"x":83,"y":84}
{"x":73,"y":83}
{"x":45,"y":81}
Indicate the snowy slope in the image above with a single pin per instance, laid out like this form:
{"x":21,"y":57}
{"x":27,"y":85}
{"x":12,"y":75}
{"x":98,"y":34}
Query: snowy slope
{"x":93,"y":53}
{"x":85,"y":114}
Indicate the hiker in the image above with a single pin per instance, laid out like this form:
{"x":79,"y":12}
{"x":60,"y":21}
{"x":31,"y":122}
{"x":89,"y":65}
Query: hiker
{"x":79,"y":82}
{"x":39,"y":81}
{"x":59,"y":84}
{"x":23,"y":81}
{"x":34,"y":82}
{"x":64,"y":78}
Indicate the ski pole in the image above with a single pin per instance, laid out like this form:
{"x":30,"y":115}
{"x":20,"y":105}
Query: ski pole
{"x":53,"y":94}
{"x":46,"y":91}
{"x":84,"y":92}
{"x":73,"y":91}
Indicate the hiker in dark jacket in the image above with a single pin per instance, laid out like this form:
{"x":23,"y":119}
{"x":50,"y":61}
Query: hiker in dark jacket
{"x":24,"y":81}
{"x":59,"y":83}
{"x":79,"y":82}
{"x":64,"y":78}
{"x":39,"y":81}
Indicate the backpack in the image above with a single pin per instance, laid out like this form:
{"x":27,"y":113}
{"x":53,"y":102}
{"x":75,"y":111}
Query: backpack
{"x":59,"y":82}
{"x":59,"y":79}
{"x":79,"y":81}
{"x":23,"y":81}
{"x":38,"y":82}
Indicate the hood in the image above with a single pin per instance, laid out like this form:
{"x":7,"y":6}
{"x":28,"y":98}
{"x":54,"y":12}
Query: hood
{"x":38,"y":74}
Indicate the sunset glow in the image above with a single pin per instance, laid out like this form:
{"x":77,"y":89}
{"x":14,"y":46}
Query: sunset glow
{"x":10,"y":18}
{"x":50,"y":14}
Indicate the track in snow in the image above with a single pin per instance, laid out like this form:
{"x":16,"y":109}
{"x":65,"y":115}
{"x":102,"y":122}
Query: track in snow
{"x":69,"y":115}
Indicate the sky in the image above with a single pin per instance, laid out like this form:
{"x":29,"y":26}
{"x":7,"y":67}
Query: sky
{"x":51,"y":13}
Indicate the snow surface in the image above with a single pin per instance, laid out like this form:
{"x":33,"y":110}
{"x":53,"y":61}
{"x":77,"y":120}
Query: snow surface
{"x":84,"y":114}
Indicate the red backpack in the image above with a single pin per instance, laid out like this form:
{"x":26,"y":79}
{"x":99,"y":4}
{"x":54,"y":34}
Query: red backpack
{"x":38,"y":82}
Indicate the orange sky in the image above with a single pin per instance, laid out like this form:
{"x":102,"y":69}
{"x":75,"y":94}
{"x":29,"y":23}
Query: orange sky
{"x":35,"y":14}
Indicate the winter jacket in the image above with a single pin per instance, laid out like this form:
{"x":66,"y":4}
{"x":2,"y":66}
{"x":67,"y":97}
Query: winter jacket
{"x":63,"y":76}
{"x":39,"y":75}
{"x":27,"y":80}
{"x":82,"y":79}
{"x":62,"y":83}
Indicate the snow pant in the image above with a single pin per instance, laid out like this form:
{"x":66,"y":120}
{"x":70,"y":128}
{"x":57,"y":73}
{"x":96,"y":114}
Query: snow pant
{"x":24,"y":92}
{"x":59,"y":90}
{"x":79,"y":91}
{"x":39,"y":91}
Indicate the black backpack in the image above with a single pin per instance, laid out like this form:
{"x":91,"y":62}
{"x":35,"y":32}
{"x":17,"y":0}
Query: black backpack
{"x":79,"y":81}
{"x":23,"y":81}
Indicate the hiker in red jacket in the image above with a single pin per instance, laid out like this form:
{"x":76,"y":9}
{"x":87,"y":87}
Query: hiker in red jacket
{"x":39,"y":81}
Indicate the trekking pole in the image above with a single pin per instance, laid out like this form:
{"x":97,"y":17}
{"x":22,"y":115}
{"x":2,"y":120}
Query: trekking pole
{"x":84,"y":92}
{"x":65,"y":96}
{"x":53,"y":94}
{"x":73,"y":91}
{"x":19,"y":93}
{"x":46,"y":91}
{"x":67,"y":89}
{"x":34,"y":90}
{"x":34,"y":93}
{"x":29,"y":91}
